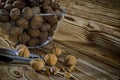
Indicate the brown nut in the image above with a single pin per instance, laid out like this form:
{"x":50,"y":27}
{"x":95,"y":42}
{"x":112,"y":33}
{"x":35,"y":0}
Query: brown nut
{"x":33,"y":32}
{"x":18,"y":4}
{"x":50,"y":59}
{"x":37,"y":64}
{"x":43,"y":37}
{"x":20,"y":46}
{"x":36,"y":10}
{"x":24,"y":38}
{"x":70,"y":60}
{"x":57,"y":50}
{"x":55,"y":6}
{"x":22,"y":22}
{"x":36,"y":22}
{"x":27,"y":13}
{"x":33,"y":42}
{"x":23,"y":51}
{"x":14,"y":13}
{"x":45,"y":27}
{"x":33,"y":3}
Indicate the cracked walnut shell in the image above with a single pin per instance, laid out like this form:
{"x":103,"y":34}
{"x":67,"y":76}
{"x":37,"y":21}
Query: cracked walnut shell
{"x":56,"y":50}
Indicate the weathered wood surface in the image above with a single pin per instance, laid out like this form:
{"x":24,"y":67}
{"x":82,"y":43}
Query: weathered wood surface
{"x":84,"y":20}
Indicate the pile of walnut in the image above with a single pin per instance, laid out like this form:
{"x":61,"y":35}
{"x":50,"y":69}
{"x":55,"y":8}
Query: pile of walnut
{"x":22,"y":22}
{"x":48,"y":65}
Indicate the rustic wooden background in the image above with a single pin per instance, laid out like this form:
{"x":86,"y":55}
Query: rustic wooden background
{"x":90,"y":31}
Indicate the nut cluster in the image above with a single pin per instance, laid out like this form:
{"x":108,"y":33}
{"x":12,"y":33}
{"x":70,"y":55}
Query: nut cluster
{"x":26,"y":25}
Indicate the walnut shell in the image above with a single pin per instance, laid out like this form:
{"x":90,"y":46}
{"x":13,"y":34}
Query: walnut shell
{"x":15,"y":30}
{"x":27,"y":13}
{"x":56,"y":50}
{"x":18,"y":4}
{"x":70,"y":60}
{"x":14,"y":13}
{"x":4,"y":17}
{"x":22,"y":22}
{"x":24,"y":38}
{"x":5,"y":27}
{"x":43,"y":37}
{"x":9,"y":1}
{"x":45,"y":27}
{"x":55,"y":6}
{"x":36,"y":10}
{"x":33,"y":42}
{"x":23,"y":51}
{"x":2,"y":5}
{"x":20,"y":46}
{"x":50,"y":59}
{"x":36,"y":22}
{"x":33,"y":32}
{"x":37,"y":64}
{"x":8,"y":6}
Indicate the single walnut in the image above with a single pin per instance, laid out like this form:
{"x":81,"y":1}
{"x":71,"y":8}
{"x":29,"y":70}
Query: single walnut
{"x":24,"y":38}
{"x":70,"y":60}
{"x":45,"y":7}
{"x":45,"y":27}
{"x":37,"y":64}
{"x":36,"y":10}
{"x":36,"y":22}
{"x":22,"y":22}
{"x":4,"y":17}
{"x":8,"y":6}
{"x":5,"y":27}
{"x":14,"y":13}
{"x":23,"y":51}
{"x":33,"y":42}
{"x":18,"y":4}
{"x":55,"y":6}
{"x":33,"y":32}
{"x":15,"y":30}
{"x":43,"y":37}
{"x":56,"y":50}
{"x":27,"y":13}
{"x":50,"y":59}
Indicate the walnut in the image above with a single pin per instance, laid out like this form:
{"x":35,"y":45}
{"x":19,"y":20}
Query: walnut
{"x":45,"y":27}
{"x":15,"y":30}
{"x":27,"y":13}
{"x":50,"y":59}
{"x":23,"y":51}
{"x":70,"y":60}
{"x":8,"y":6}
{"x":5,"y":27}
{"x":14,"y":13}
{"x":45,"y":7}
{"x":36,"y":10}
{"x":18,"y":4}
{"x":55,"y":6}
{"x":36,"y":22}
{"x":33,"y":42}
{"x":24,"y":38}
{"x":57,"y":50}
{"x":22,"y":22}
{"x":4,"y":17}
{"x":33,"y":32}
{"x":43,"y":37}
{"x":37,"y":64}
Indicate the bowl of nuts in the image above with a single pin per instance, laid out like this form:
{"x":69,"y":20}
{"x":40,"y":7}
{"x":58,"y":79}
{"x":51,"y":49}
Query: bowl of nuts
{"x":30,"y":22}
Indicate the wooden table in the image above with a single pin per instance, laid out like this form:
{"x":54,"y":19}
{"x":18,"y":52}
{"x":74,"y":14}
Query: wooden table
{"x":94,"y":62}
